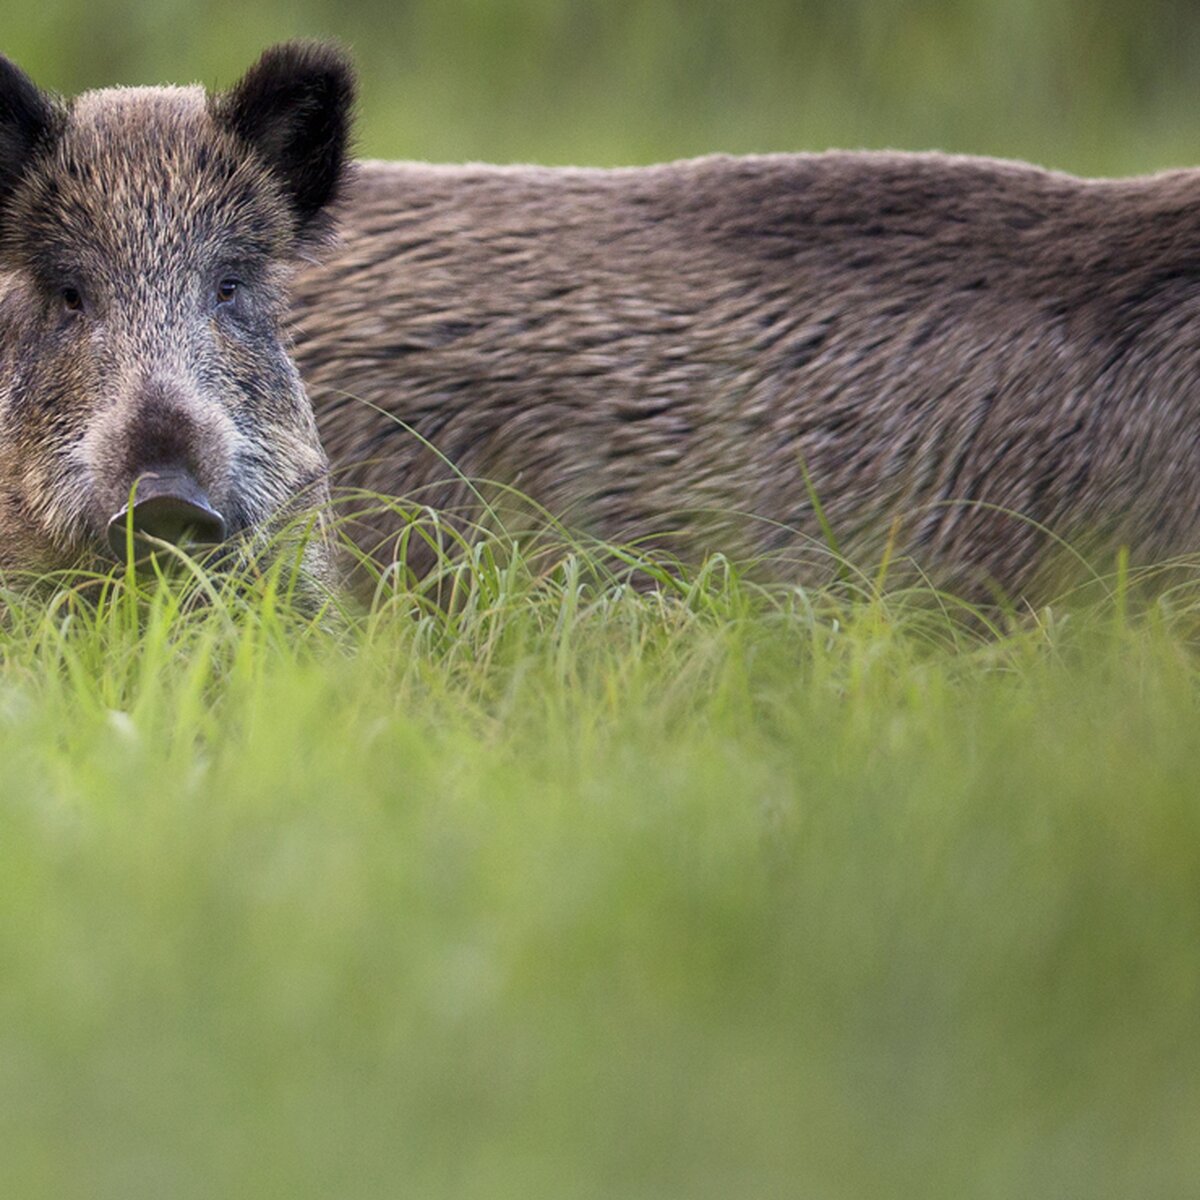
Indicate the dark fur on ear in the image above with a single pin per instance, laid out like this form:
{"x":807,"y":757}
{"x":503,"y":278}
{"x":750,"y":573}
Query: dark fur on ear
{"x":295,"y":106}
{"x":30,"y":121}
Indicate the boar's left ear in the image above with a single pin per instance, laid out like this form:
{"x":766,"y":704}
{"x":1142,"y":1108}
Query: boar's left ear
{"x":30,"y":121}
{"x":294,"y":106}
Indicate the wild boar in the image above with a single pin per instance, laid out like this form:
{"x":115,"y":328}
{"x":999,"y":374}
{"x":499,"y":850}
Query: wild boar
{"x":959,"y":361}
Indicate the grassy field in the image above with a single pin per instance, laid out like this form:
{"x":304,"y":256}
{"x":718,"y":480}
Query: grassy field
{"x":563,"y":890}
{"x":570,"y":890}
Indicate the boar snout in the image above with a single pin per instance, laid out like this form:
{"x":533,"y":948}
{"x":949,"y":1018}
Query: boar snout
{"x":165,"y":455}
{"x":170,"y":505}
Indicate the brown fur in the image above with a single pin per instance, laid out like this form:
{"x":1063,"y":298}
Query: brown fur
{"x":948,"y":352}
{"x":664,"y":349}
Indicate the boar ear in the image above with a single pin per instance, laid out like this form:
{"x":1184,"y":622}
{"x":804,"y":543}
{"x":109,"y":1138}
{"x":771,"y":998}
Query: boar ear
{"x":294,"y":107}
{"x":30,"y":120}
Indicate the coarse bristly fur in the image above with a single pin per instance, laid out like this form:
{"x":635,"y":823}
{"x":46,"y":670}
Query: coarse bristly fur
{"x":949,"y":356}
{"x":146,"y":237}
{"x":955,"y":351}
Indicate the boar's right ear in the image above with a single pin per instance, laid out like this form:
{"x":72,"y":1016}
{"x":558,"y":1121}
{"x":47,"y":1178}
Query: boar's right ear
{"x":294,"y":106}
{"x":30,"y":120}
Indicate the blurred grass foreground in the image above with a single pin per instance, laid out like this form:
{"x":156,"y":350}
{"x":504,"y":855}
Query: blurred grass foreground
{"x":565,"y":889}
{"x":533,"y":884}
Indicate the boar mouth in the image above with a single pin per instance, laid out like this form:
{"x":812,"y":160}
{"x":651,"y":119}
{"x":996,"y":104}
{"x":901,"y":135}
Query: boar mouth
{"x":170,"y":506}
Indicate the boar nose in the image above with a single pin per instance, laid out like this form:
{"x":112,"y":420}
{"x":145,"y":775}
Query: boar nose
{"x":170,"y":505}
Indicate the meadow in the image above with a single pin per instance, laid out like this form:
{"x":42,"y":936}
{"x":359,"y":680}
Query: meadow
{"x":564,"y":888}
{"x":527,"y":882}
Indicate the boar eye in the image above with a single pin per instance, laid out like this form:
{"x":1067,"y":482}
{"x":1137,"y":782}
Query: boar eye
{"x":72,"y":301}
{"x":227,"y":290}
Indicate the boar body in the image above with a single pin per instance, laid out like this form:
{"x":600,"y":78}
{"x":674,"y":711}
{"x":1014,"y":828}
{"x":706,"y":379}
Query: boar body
{"x":951,"y":354}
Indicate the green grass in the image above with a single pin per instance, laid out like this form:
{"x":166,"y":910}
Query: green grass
{"x":527,"y":884}
{"x":566,"y":889}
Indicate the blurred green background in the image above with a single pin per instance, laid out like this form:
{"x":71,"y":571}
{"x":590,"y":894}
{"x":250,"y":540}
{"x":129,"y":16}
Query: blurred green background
{"x":632,"y":896}
{"x":1095,"y":86}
